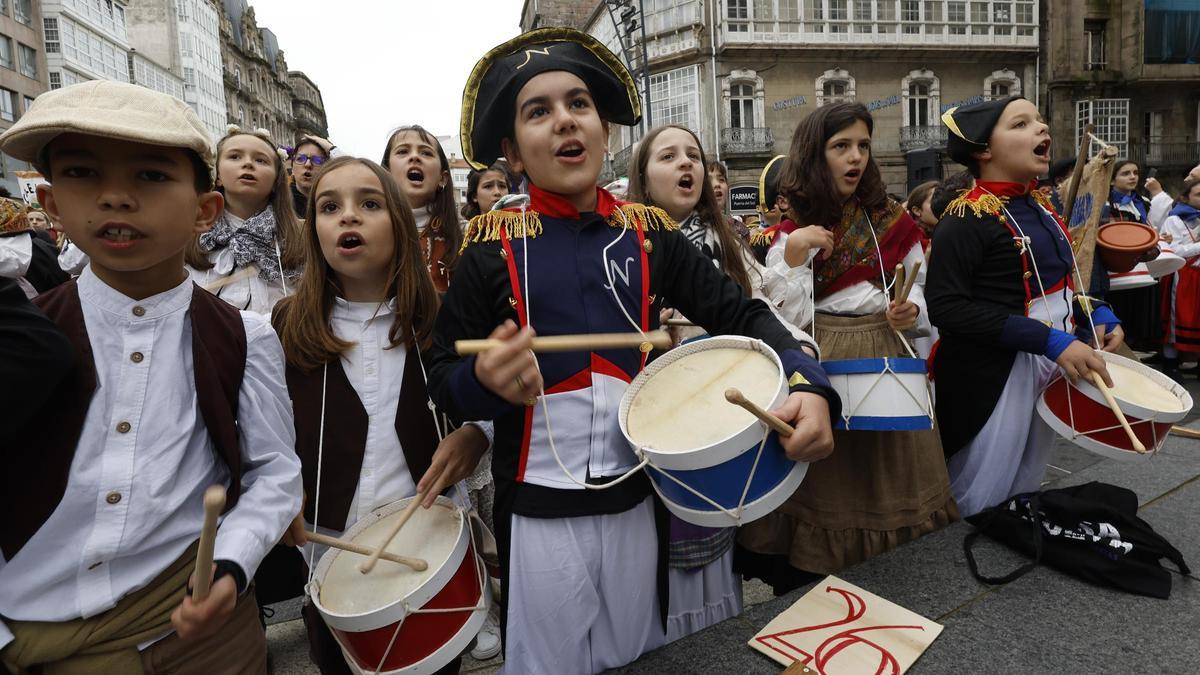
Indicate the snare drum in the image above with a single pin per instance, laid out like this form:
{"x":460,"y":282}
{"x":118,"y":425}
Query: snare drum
{"x":1138,"y":277}
{"x":707,"y":456}
{"x":1151,"y":401}
{"x":884,"y":394}
{"x":381,"y":619}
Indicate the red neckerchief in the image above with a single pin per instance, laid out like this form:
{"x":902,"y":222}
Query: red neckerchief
{"x":1002,"y":188}
{"x":556,"y":206}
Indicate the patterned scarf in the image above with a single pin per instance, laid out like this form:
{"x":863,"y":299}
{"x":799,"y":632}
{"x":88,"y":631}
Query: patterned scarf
{"x":252,"y":243}
{"x":855,"y":257}
{"x":699,"y":234}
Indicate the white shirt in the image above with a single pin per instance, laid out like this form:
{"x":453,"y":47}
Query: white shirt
{"x":1160,"y":206}
{"x":862,"y":297}
{"x":251,"y":294}
{"x":1185,"y":241}
{"x":72,"y":259}
{"x":16,"y":252}
{"x":134,"y":500}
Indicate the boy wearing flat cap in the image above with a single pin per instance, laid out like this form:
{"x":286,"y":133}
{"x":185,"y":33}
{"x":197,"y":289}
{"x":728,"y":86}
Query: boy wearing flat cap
{"x":585,"y":569}
{"x":1001,"y":291}
{"x":172,"y":391}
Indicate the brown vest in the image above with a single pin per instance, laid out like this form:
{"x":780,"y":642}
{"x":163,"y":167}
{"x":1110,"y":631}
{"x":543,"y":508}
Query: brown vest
{"x":346,"y":434}
{"x":38,"y":465}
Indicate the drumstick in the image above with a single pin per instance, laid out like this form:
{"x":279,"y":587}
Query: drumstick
{"x":404,"y":516}
{"x":1076,"y":174}
{"x":343,"y":545}
{"x":898,"y":283}
{"x":1185,"y":432}
{"x":214,"y":502}
{"x":910,"y":282}
{"x":1112,"y":403}
{"x":244,"y":273}
{"x":679,"y":322}
{"x":574,"y":343}
{"x":734,"y":396}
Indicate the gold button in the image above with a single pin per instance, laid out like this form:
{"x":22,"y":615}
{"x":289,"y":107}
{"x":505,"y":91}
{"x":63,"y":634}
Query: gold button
{"x":648,"y":245}
{"x":113,"y":497}
{"x":1027,"y":274}
{"x":124,"y":427}
{"x":512,"y":301}
{"x":138,"y":310}
{"x":136,"y":357}
{"x":503,"y":254}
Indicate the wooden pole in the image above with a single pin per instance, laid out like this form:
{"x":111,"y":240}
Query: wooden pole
{"x":1077,"y":174}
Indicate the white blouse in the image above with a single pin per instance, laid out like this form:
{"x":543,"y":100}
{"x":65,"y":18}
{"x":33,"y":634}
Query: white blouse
{"x":251,"y":293}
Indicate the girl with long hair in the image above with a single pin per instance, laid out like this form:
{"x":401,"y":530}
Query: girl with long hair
{"x":415,"y":158}
{"x":353,"y":335}
{"x":251,"y":257}
{"x":485,"y":187}
{"x":878,"y":489}
{"x":668,"y":171}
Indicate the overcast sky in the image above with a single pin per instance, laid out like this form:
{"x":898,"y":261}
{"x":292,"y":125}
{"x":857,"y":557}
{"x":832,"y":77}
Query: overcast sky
{"x":385,"y":64}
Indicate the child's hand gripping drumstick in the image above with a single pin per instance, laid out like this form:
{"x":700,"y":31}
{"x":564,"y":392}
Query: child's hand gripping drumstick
{"x":409,"y":510}
{"x":735,"y":396}
{"x":1116,"y":408}
{"x":214,"y":502}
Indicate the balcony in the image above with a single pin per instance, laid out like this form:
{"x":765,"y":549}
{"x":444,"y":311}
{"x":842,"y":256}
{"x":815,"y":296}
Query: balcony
{"x":747,"y":141}
{"x":1018,"y":33}
{"x":1166,"y":151}
{"x":920,"y":138}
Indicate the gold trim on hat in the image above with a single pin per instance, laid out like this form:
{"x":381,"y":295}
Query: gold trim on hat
{"x":952,"y":125}
{"x":762,"y":183}
{"x":551,"y":34}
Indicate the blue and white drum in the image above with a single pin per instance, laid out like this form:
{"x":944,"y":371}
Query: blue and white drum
{"x":713,"y":463}
{"x":885,"y":394}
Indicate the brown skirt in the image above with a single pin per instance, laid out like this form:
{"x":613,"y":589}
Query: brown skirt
{"x":878,"y":489}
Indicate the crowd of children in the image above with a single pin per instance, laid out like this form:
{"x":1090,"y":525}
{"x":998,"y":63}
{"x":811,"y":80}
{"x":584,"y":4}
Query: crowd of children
{"x":282,"y":322}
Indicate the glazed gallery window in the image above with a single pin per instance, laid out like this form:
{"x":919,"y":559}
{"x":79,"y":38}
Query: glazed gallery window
{"x":1111,"y":117}
{"x":738,"y":12}
{"x":50,"y":30}
{"x":675,"y":97}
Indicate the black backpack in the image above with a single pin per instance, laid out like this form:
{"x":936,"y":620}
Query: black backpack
{"x":1090,"y":531}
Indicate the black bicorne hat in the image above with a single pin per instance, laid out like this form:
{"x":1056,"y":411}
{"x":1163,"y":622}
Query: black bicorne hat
{"x":768,"y":183}
{"x":490,"y":97}
{"x":971,"y":126}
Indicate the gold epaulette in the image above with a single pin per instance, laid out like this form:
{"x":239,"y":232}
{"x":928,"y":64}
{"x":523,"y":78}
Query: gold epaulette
{"x":487,"y":226}
{"x":651,"y":217}
{"x":979,"y":205}
{"x":762,"y":237}
{"x":1044,"y":201}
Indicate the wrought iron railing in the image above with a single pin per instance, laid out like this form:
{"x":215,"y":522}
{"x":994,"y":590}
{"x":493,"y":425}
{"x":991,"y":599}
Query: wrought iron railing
{"x":747,"y":141}
{"x":919,"y":138}
{"x":1165,"y":152}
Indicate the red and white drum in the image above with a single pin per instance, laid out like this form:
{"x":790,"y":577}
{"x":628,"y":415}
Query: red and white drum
{"x":395,"y":619}
{"x":1151,"y":401}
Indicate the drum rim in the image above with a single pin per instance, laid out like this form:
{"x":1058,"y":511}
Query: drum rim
{"x":907,"y":365}
{"x":1176,"y":263}
{"x":723,"y":449}
{"x":393,"y":611}
{"x":751,"y":511}
{"x":1132,"y":409}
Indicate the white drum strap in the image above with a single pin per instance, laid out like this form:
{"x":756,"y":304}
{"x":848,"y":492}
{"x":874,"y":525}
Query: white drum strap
{"x":542,"y":390}
{"x":441,"y":429}
{"x":736,"y":513}
{"x":279,"y":261}
{"x":312,"y":548}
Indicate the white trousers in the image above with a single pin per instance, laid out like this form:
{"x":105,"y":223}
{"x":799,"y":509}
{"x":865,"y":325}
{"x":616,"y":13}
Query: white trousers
{"x":1009,"y":454}
{"x":582,"y":596}
{"x":702,"y":597}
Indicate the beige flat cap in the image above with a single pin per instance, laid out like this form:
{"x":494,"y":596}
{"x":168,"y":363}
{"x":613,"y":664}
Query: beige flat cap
{"x":108,"y":109}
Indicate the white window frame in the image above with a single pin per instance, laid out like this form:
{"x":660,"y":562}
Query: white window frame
{"x":835,"y":75}
{"x":745,"y":77}
{"x":1004,"y":76}
{"x":669,"y":92}
{"x":934,"y":101}
{"x":1111,"y":117}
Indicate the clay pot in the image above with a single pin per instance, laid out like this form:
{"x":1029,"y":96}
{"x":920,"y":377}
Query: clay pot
{"x":1122,"y":244}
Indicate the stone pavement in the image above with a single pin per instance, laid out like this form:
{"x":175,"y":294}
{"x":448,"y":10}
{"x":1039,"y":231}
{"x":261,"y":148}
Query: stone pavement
{"x":1043,"y":622}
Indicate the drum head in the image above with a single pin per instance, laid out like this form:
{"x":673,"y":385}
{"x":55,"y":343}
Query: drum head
{"x":431,"y":534}
{"x":678,"y":403}
{"x":1166,"y":263}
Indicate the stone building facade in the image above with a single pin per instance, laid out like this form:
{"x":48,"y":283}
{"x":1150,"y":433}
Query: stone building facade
{"x":22,"y":73}
{"x":743,"y":73}
{"x":1130,"y":68}
{"x":260,"y":91}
